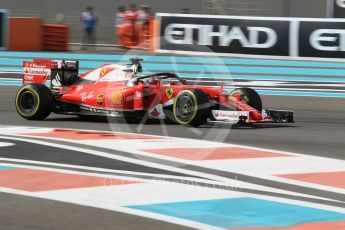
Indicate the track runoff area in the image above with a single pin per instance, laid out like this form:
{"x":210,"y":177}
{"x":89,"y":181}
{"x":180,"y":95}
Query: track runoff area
{"x":202,"y":183}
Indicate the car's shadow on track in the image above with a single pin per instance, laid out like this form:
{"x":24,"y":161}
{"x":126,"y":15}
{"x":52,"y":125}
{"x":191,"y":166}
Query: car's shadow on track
{"x":263,"y":126}
{"x":78,"y":119}
{"x":169,"y":123}
{"x":251,"y":126}
{"x":108,"y":120}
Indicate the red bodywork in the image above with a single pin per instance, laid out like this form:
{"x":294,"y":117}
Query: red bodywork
{"x":107,"y":88}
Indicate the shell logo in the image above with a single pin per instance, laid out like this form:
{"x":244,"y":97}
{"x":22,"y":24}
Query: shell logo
{"x":117,"y":97}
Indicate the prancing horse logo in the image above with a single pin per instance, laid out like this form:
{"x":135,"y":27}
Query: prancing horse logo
{"x":100,"y":99}
{"x":169,"y":92}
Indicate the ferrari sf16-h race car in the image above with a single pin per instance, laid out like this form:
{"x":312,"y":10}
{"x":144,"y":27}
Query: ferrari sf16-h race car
{"x":123,"y":91}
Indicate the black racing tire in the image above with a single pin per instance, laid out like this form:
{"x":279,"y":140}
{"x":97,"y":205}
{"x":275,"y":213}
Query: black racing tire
{"x":249,"y":96}
{"x":191,"y":107}
{"x":34,"y":101}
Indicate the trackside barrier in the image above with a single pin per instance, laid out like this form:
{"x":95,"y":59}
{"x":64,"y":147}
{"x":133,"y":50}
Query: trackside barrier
{"x":25,"y":34}
{"x":30,"y":34}
{"x":215,"y":34}
{"x":55,"y":37}
{"x":3,"y":29}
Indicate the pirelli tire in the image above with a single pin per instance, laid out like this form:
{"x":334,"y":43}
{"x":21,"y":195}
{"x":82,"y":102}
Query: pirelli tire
{"x":249,"y":96}
{"x":191,"y":107}
{"x":34,"y":101}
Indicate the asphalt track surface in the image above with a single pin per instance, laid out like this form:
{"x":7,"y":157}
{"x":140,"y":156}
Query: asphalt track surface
{"x":319,"y":130}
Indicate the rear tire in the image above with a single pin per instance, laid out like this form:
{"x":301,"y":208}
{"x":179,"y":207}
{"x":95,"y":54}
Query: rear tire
{"x":34,"y":102}
{"x":249,"y":96}
{"x":191,"y":107}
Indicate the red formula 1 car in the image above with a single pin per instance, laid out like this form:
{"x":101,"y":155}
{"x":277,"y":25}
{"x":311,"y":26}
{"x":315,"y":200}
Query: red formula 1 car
{"x":122,"y":91}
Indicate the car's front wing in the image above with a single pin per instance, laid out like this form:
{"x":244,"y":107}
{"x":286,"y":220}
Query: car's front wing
{"x":245,"y":117}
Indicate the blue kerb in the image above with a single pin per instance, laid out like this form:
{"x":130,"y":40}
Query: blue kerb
{"x":242,"y":212}
{"x":2,"y":167}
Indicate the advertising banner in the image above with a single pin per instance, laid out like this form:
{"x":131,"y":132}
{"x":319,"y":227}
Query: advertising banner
{"x":322,"y":39}
{"x":339,"y":8}
{"x":224,"y":35}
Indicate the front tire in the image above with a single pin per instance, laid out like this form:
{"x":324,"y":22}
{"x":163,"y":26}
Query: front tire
{"x":34,"y":102}
{"x":249,"y":96}
{"x":191,"y":107}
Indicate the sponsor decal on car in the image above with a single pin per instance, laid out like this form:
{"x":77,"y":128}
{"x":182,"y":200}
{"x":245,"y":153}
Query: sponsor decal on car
{"x":85,"y":96}
{"x":34,"y":65}
{"x":223,"y":115}
{"x":138,"y":94}
{"x":117,"y":97}
{"x":31,"y":68}
{"x":157,"y":112}
{"x":37,"y":71}
{"x":101,"y":111}
{"x":28,"y":77}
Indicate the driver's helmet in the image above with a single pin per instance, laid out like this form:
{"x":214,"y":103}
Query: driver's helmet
{"x":129,"y":75}
{"x":136,"y":68}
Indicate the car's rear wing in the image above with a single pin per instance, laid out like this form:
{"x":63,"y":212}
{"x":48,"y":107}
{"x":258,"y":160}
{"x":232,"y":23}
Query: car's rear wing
{"x":37,"y":71}
{"x":53,"y":73}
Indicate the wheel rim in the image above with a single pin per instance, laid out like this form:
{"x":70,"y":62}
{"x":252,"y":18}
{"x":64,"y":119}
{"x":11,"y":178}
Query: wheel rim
{"x":27,"y":102}
{"x":185,"y":108}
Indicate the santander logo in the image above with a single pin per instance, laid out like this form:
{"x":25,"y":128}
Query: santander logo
{"x":228,"y":115}
{"x":155,"y":113}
